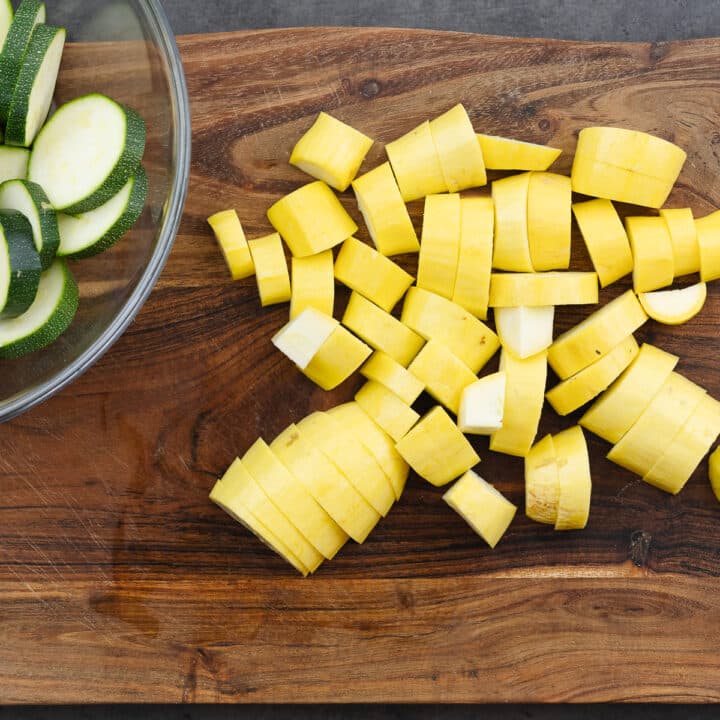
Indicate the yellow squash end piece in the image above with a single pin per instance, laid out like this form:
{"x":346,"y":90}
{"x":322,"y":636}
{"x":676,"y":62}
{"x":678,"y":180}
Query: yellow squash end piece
{"x":231,"y":238}
{"x":542,"y":482}
{"x":500,"y":153}
{"x":714,"y":473}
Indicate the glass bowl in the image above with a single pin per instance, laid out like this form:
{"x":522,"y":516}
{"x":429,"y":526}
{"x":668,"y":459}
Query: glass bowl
{"x":124,"y":49}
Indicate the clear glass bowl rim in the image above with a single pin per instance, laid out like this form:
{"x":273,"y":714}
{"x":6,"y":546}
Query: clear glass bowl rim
{"x":175,"y":203}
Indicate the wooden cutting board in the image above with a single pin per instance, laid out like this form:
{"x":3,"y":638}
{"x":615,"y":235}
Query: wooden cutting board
{"x":120,"y":582}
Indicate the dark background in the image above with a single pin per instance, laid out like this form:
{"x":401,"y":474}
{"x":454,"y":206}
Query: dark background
{"x":644,"y":20}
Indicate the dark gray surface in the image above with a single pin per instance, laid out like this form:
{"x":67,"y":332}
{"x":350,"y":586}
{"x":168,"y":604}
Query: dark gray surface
{"x":582,"y":19}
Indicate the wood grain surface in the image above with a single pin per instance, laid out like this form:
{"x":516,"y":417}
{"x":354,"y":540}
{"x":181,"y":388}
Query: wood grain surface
{"x":119,"y":581}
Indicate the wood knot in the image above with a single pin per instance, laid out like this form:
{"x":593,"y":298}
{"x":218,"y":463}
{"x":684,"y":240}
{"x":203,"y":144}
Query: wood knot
{"x":640,"y":547}
{"x":371,"y":89}
{"x":658,"y":50}
{"x":544,"y":125}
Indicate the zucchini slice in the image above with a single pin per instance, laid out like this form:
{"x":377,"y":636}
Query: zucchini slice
{"x":47,"y":318}
{"x":95,"y":231}
{"x":19,"y":265}
{"x":86,"y":153}
{"x":30,"y":199}
{"x":29,"y":14}
{"x":6,"y":18}
{"x":35,"y":85}
{"x":13,"y":162}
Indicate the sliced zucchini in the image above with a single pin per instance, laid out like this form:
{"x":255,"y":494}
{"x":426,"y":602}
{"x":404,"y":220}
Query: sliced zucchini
{"x":95,"y":231}
{"x":19,"y":265}
{"x":47,"y":318}
{"x":30,"y":199}
{"x":35,"y":85}
{"x":6,"y":18}
{"x":13,"y":162}
{"x":29,"y":14}
{"x":86,"y":153}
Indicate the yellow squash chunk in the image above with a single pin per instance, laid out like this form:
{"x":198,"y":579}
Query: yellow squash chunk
{"x":714,"y":473}
{"x":324,"y":481}
{"x":243,"y":499}
{"x":501,"y":153}
{"x":472,"y":280}
{"x":549,"y":220}
{"x":511,"y":250}
{"x":390,"y":373}
{"x":597,"y":335}
{"x":587,"y":384}
{"x":302,"y":337}
{"x":371,"y":274}
{"x":271,"y":270}
{"x":444,"y":375}
{"x":293,"y":500}
{"x":337,"y":359}
{"x":708,"y":238}
{"x":573,"y":466}
{"x":313,"y":284}
{"x":381,"y":330}
{"x":525,"y":331}
{"x":416,"y":164}
{"x":437,"y":318}
{"x":683,"y":236}
{"x":674,"y":307}
{"x":543,"y":289}
{"x":482,"y":405}
{"x":605,"y":238}
{"x":687,"y":449}
{"x":252,"y":496}
{"x":652,"y":253}
{"x":331,"y":151}
{"x":351,"y":457}
{"x":311,"y":219}
{"x":436,"y":449}
{"x":542,"y":482}
{"x":461,"y":158}
{"x":385,"y":212}
{"x":524,"y":398}
{"x":619,"y":408}
{"x":482,"y":507}
{"x":646,"y":441}
{"x":440,"y":244}
{"x":386,"y":409}
{"x":380,"y":445}
{"x":231,"y":238}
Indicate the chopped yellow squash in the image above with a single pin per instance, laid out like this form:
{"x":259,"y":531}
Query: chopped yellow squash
{"x":714,"y":473}
{"x":386,"y":409}
{"x":543,"y":289}
{"x":524,"y":398}
{"x":461,"y":158}
{"x":683,"y":236}
{"x":313,"y":283}
{"x":271,"y":270}
{"x":337,"y":359}
{"x":674,"y":307}
{"x":416,"y":164}
{"x":436,"y":449}
{"x":549,"y":219}
{"x":525,"y":330}
{"x":385,"y":212}
{"x":311,"y":219}
{"x":371,"y":274}
{"x":652,"y":250}
{"x":605,"y":238}
{"x":440,"y":244}
{"x":437,"y":318}
{"x":708,"y":238}
{"x":381,"y":330}
{"x":302,"y":337}
{"x":444,"y":375}
{"x":231,"y":238}
{"x":587,"y":384}
{"x":472,"y":280}
{"x":482,"y":405}
{"x":542,"y":482}
{"x":482,"y":507}
{"x":390,"y":373}
{"x":597,"y":335}
{"x":574,"y":477}
{"x":511,"y":250}
{"x":331,"y":151}
{"x":501,"y":153}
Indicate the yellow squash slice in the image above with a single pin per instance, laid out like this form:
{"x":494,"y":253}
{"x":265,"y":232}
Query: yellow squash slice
{"x":390,"y":373}
{"x":549,"y":220}
{"x":337,"y":359}
{"x":386,"y":409}
{"x":683,"y":236}
{"x":543,"y":289}
{"x":542,"y":482}
{"x":231,"y":238}
{"x":313,"y":284}
{"x":652,"y":250}
{"x":440,"y":244}
{"x":271,"y":270}
{"x":511,"y":250}
{"x":714,"y":473}
{"x":501,"y":153}
{"x":708,"y":237}
{"x":674,"y":307}
{"x":573,"y":466}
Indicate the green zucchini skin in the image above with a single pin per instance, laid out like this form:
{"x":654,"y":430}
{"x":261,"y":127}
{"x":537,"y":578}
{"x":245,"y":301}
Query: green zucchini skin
{"x":55,"y":324}
{"x":24,"y":264}
{"x":29,"y":14}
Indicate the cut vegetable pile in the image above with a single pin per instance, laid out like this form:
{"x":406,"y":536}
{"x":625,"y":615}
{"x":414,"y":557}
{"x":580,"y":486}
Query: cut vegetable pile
{"x":70,"y":186}
{"x":333,"y":475}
